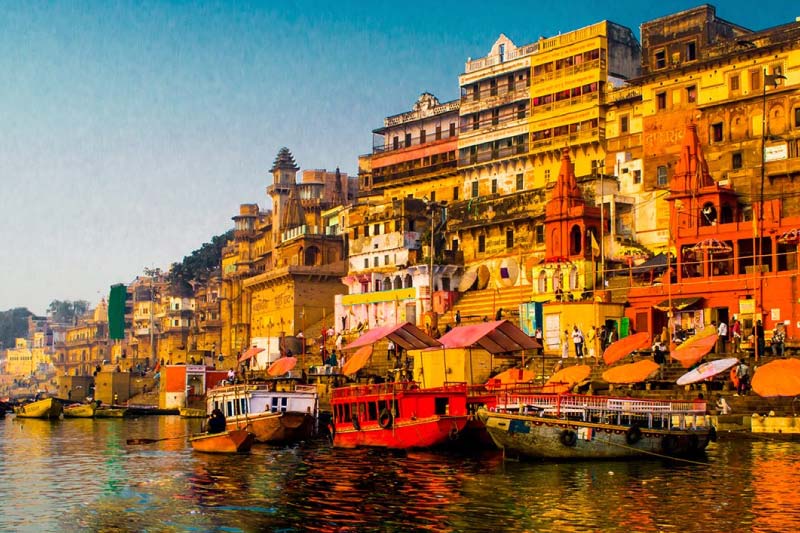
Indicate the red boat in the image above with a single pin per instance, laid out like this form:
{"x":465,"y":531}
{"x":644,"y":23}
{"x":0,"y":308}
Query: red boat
{"x":237,"y":440}
{"x":398,"y":415}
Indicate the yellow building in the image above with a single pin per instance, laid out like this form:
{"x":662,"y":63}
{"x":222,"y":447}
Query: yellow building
{"x":86,"y":344}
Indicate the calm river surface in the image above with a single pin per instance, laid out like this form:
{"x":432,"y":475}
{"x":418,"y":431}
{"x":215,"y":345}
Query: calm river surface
{"x":79,"y":475}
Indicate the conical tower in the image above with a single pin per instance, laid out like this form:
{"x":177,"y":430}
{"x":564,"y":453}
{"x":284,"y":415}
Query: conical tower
{"x":284,"y":181}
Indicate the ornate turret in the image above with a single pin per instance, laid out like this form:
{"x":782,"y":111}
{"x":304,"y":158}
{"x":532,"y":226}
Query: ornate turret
{"x":284,"y":161}
{"x":566,"y":193}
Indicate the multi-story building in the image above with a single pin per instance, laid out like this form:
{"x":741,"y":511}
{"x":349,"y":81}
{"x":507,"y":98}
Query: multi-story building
{"x":86,"y":345}
{"x":407,"y":182}
{"x":206,"y":334}
{"x":282,"y":269}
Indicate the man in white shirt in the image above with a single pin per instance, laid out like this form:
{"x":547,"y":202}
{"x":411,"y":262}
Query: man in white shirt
{"x":577,"y":339}
{"x":722,"y":332}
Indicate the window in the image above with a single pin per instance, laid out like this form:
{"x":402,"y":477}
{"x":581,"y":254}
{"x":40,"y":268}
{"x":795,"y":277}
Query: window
{"x":733,"y":82}
{"x":737,"y":160}
{"x":797,"y":117}
{"x":494,"y":186}
{"x":366,"y":231}
{"x":755,"y":80}
{"x":691,"y":51}
{"x":495,"y":117}
{"x":395,"y":142}
{"x":661,"y":179}
{"x":509,"y":238}
{"x":375,"y":261}
{"x":366,"y":262}
{"x":539,"y":234}
{"x":493,"y":87}
{"x":660,"y":58}
{"x":521,"y":111}
{"x":637,"y":176}
{"x":481,"y":243}
{"x":355,"y":232}
{"x":476,"y":121}
{"x":376,"y":229}
{"x":510,"y":82}
{"x":623,"y":124}
{"x":438,"y":132}
{"x":476,"y":93}
{"x":691,"y":94}
{"x":520,"y":181}
{"x":547,"y":175}
{"x":452,"y":129}
{"x":455,"y":193}
{"x":386,"y":260}
{"x":433,"y":196}
{"x":661,"y":100}
{"x":474,"y":189}
{"x":408,"y":139}
{"x":421,"y":136}
{"x":716,"y":132}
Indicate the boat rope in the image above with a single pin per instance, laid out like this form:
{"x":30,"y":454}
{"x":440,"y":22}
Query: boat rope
{"x":670,"y":457}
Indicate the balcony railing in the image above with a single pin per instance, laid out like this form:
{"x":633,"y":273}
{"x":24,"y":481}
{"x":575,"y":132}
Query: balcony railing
{"x":500,"y":208}
{"x":569,"y":71}
{"x":403,"y":143}
{"x":577,"y":137}
{"x":491,"y":155}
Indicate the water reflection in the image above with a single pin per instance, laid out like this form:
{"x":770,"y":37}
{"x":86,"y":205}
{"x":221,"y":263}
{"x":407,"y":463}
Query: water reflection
{"x":79,"y":475}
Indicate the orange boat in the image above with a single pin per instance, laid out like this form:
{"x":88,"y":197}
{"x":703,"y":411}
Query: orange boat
{"x":235,"y":441}
{"x":398,"y":415}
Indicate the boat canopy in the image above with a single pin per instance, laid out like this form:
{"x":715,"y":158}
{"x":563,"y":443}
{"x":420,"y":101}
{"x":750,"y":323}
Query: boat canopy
{"x":500,"y":336}
{"x":407,"y":336}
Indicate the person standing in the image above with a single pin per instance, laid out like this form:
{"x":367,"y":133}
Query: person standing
{"x":742,"y":373}
{"x":565,"y":344}
{"x":577,"y":340}
{"x":758,"y":336}
{"x":722,"y":335}
{"x":540,"y":339}
{"x":591,"y":342}
{"x":736,"y":334}
{"x":778,"y":340}
{"x":458,"y":317}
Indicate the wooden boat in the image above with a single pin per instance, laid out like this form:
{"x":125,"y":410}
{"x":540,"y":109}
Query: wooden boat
{"x":398,"y":415}
{"x":192,"y":412}
{"x":80,"y":410}
{"x":573,"y":426}
{"x":233,"y":441}
{"x":46,"y":408}
{"x":272,"y":416}
{"x":110,"y":412}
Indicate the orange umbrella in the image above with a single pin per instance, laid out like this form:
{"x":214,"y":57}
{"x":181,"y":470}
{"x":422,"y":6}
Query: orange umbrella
{"x":619,"y":349}
{"x":282,"y":366}
{"x":778,"y":378}
{"x":512,"y":375}
{"x":357,"y":361}
{"x":631,"y":373}
{"x":250,"y":352}
{"x":570,"y":375}
{"x":699,"y":336}
{"x":688,"y":354}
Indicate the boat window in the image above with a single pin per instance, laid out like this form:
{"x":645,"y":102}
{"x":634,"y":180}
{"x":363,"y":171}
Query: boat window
{"x":441,"y":406}
{"x":345,"y":412}
{"x":228,"y":408}
{"x":243,"y":405}
{"x":372,"y":411}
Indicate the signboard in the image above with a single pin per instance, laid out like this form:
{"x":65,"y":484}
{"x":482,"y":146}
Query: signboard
{"x":776,"y":152}
{"x":747,"y":307}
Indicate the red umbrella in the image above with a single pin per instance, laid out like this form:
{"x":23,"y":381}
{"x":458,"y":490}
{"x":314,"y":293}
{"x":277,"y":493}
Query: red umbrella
{"x":250,"y":352}
{"x":282,"y":366}
{"x":778,"y":378}
{"x":619,"y":349}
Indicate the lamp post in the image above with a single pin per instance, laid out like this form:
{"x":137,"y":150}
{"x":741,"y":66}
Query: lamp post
{"x":774,"y":80}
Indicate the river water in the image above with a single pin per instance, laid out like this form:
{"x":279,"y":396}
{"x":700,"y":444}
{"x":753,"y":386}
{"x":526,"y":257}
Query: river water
{"x":79,"y":475}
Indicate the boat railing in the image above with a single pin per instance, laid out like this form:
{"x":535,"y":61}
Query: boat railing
{"x":395,"y":387}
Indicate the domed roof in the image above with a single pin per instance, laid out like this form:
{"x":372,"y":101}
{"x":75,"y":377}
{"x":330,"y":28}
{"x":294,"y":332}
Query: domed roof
{"x":284,"y":161}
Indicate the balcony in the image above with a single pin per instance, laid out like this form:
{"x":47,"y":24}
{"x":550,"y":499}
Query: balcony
{"x":587,"y":136}
{"x":522,"y":205}
{"x":595,"y":64}
{"x":488,"y":98}
{"x":402,"y":143}
{"x":383,"y":176}
{"x":337,"y":269}
{"x":492,"y":155}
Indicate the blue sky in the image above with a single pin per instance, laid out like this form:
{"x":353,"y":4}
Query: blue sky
{"x":132,"y":131}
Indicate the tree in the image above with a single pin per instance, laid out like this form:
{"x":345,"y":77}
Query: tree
{"x":13,"y":324}
{"x":66,"y":311}
{"x":199,"y":265}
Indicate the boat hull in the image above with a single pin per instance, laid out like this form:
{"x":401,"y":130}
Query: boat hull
{"x":238,"y":440}
{"x":192,"y":412}
{"x":47,"y":408}
{"x":85,"y":410}
{"x":109,"y":413}
{"x":404,"y":434}
{"x":276,"y":427}
{"x":548,"y":438}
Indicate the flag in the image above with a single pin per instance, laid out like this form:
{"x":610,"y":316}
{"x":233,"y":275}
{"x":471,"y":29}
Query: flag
{"x":595,"y":246}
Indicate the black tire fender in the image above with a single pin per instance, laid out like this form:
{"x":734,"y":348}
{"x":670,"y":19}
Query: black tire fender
{"x":633,"y":435}
{"x":385,"y":419}
{"x":568,"y":438}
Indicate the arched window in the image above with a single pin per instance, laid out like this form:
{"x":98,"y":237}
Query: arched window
{"x":708,"y":214}
{"x":573,"y":278}
{"x":575,"y":240}
{"x":542,"y":281}
{"x":312,"y":256}
{"x":387,"y":284}
{"x":408,"y":283}
{"x":726,"y":214}
{"x":398,"y":283}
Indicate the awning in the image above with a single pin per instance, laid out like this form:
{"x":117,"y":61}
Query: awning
{"x":249,"y":353}
{"x":407,"y":336}
{"x":499,"y":336}
{"x":678,"y":303}
{"x":654,"y":263}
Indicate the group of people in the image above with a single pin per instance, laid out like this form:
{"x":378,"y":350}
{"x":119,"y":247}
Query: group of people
{"x":734,"y":335}
{"x":591,"y":344}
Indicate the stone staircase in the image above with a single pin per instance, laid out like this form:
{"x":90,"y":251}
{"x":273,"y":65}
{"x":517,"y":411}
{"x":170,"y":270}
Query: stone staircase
{"x":477,"y":304}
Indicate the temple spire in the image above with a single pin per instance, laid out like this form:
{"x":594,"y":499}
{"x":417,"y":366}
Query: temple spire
{"x":691,"y":172}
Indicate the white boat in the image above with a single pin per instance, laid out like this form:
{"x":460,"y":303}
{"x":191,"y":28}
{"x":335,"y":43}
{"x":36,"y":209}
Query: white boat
{"x":271,"y":415}
{"x":574,"y":426}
